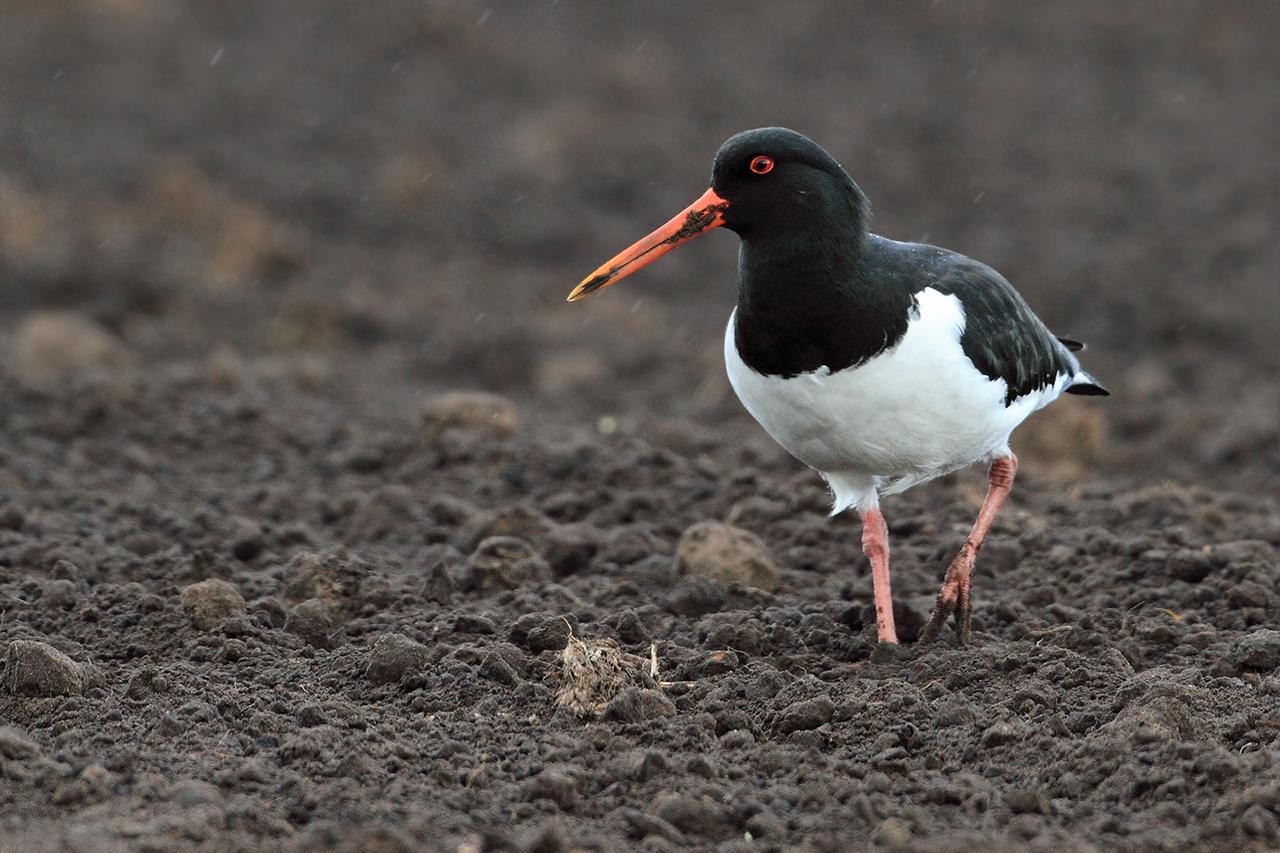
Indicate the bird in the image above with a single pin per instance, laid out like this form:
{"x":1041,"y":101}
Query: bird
{"x":879,"y":364}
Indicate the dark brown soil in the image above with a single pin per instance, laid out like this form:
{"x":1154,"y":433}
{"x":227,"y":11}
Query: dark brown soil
{"x":275,"y":232}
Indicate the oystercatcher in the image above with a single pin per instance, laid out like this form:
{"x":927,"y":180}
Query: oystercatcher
{"x":879,"y":364}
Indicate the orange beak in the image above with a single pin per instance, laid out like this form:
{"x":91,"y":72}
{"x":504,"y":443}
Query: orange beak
{"x":701,"y":216}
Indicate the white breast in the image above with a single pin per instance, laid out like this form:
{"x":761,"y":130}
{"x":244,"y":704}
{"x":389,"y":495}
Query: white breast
{"x":910,"y":414}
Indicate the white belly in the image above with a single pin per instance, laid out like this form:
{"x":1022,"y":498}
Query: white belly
{"x":906,"y":416}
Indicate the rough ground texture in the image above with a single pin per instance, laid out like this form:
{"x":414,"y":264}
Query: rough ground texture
{"x":242,"y":249}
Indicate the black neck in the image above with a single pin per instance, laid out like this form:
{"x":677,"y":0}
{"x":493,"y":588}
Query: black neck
{"x":814,"y":299}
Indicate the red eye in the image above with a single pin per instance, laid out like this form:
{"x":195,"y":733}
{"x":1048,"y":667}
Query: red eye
{"x":762,"y":165}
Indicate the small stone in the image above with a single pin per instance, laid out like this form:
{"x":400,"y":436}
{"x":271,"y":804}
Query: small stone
{"x":645,"y":826}
{"x":696,"y":596}
{"x":694,"y":815}
{"x":97,"y":781}
{"x":504,"y":562}
{"x":16,"y":744}
{"x":550,"y":635}
{"x":70,"y":793}
{"x":556,"y":785}
{"x":393,"y":655}
{"x":211,"y":602}
{"x":766,"y":825}
{"x":728,"y":554}
{"x":737,"y":739}
{"x":33,"y":668}
{"x":548,"y":838}
{"x":1247,"y":594}
{"x":519,"y":522}
{"x":247,"y":540}
{"x":640,"y":765}
{"x":1243,"y":551}
{"x":1260,"y":822}
{"x":1026,"y":801}
{"x":269,"y":612}
{"x":334,"y":577}
{"x":141,"y":683}
{"x":1189,"y":564}
{"x":570,"y":548}
{"x":1161,"y":712}
{"x":999,"y":734}
{"x":12,"y":518}
{"x":253,"y":771}
{"x":631,"y":629}
{"x":473,"y":623}
{"x":310,"y":716}
{"x":225,"y":369}
{"x":1259,"y":650}
{"x":892,"y":833}
{"x":61,"y":593}
{"x":637,"y":704}
{"x":497,"y":669}
{"x":470,"y":411}
{"x":312,"y":621}
{"x":51,"y":346}
{"x":194,"y":792}
{"x":805,"y":715}
{"x":439,"y":585}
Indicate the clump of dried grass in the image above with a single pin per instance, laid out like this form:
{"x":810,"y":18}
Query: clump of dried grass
{"x":593,"y":672}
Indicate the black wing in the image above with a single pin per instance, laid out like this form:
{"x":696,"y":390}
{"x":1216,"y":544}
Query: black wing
{"x":1002,"y":336}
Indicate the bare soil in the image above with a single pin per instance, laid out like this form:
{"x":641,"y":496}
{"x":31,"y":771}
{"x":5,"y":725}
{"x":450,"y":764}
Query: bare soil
{"x":251,"y":598}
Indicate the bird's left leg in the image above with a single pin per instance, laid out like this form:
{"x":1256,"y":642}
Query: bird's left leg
{"x":875,"y":544}
{"x":954,"y":595}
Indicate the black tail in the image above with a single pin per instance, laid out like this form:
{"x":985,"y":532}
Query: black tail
{"x":1087,"y":385}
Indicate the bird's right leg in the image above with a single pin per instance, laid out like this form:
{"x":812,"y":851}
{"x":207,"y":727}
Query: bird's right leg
{"x":875,"y":544}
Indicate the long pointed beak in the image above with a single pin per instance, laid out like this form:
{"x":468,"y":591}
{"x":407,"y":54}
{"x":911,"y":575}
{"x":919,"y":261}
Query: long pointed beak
{"x":701,"y":216}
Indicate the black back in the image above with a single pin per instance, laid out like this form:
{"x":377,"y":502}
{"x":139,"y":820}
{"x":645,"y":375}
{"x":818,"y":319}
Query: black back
{"x":794,"y":317}
{"x":816,"y":289}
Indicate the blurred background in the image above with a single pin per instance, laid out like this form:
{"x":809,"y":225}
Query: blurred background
{"x":362,"y":205}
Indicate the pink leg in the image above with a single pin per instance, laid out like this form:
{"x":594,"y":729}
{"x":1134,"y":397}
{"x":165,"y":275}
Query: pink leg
{"x":875,"y":544}
{"x":954,"y":595}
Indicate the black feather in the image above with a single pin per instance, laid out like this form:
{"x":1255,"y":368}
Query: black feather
{"x":1002,"y":337}
{"x":1088,"y":389}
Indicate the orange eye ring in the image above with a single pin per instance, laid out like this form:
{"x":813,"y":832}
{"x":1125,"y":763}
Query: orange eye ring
{"x":761,"y":165}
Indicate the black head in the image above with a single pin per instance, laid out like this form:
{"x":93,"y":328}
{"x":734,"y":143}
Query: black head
{"x":777,"y":180}
{"x":772,"y":186}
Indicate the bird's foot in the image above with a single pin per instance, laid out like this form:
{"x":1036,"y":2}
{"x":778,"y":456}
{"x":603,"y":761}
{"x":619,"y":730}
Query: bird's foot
{"x":953,"y":598}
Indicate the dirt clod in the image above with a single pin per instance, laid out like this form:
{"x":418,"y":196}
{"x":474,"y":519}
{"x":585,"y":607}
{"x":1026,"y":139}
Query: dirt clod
{"x":33,"y":668}
{"x":332,"y":576}
{"x":393,"y":655}
{"x":312,"y":621}
{"x":1259,"y":650}
{"x":504,"y":562}
{"x":16,"y":743}
{"x":469,"y":411}
{"x":696,"y":596}
{"x":570,"y":548}
{"x":55,"y":346}
{"x":728,"y":554}
{"x":805,"y":715}
{"x":637,"y":704}
{"x":212,"y":602}
{"x":999,"y":734}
